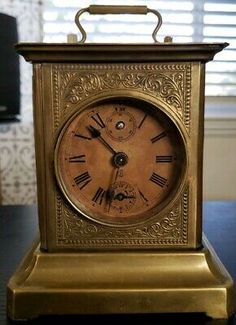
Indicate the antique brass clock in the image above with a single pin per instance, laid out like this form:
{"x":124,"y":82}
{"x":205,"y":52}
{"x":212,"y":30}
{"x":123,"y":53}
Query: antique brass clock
{"x":119,"y":143}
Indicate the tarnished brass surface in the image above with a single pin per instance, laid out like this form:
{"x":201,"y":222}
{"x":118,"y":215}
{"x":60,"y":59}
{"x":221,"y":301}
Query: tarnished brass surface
{"x":88,"y":267}
{"x":102,"y":10}
{"x":58,"y":98}
{"x":69,"y":78}
{"x":121,"y":282}
{"x":158,"y":52}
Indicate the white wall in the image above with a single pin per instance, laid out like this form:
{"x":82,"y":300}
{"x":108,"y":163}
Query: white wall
{"x":219,"y":182}
{"x":17,"y":166}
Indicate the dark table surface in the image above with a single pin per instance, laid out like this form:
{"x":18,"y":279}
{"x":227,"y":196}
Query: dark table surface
{"x":19,"y":227}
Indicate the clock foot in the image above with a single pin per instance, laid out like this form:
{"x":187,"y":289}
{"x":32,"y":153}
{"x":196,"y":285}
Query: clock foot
{"x":120,"y":283}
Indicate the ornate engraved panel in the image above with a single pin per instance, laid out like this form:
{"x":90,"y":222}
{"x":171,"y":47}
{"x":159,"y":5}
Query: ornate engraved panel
{"x":170,"y":230}
{"x":171,"y":84}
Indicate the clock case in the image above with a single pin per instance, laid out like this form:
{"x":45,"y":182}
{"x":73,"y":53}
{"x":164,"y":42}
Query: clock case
{"x":81,"y":266}
{"x":69,"y":77}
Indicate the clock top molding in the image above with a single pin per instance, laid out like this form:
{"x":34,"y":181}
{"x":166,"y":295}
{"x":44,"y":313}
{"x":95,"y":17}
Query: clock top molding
{"x":158,"y":52}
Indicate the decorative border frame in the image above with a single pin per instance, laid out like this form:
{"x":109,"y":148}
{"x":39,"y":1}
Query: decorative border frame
{"x":172,"y":229}
{"x":75,"y":83}
{"x":170,"y":82}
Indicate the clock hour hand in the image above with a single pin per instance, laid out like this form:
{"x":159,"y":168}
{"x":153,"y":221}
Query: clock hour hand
{"x":95,"y":133}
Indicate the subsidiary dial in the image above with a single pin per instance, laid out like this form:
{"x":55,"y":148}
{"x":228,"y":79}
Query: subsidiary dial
{"x":122,"y":196}
{"x":121,"y":125}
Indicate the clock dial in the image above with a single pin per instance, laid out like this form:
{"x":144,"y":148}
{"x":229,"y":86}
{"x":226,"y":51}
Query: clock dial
{"x":120,"y":161}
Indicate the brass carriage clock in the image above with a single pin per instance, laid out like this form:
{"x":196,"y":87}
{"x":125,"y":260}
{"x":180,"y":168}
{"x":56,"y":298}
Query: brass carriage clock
{"x":119,"y":143}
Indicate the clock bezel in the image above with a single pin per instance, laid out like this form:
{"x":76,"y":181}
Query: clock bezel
{"x":155,"y":104}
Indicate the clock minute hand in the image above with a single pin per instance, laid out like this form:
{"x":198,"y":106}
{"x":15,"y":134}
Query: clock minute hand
{"x":110,"y":197}
{"x":95,"y":133}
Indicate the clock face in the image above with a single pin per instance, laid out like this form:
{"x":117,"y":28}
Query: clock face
{"x":120,"y":161}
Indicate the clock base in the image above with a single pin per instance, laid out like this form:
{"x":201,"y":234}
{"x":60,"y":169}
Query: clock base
{"x":120,"y":283}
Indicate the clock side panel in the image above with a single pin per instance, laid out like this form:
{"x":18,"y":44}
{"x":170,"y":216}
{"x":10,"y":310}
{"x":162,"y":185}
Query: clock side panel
{"x":196,"y":151}
{"x":44,"y":143}
{"x":39,"y":151}
{"x":62,"y":89}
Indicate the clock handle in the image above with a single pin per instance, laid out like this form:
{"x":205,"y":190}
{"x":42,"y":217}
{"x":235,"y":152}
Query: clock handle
{"x":102,"y":10}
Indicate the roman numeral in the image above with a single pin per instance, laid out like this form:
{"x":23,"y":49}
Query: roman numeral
{"x":159,"y":137}
{"x":164,"y":159}
{"x":158,"y":180}
{"x":97,"y":118}
{"x":141,"y":123}
{"x":120,"y":108}
{"x":77,"y":159}
{"x":82,"y":180}
{"x":82,"y":136}
{"x":99,"y":196}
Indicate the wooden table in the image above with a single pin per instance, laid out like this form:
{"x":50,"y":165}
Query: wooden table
{"x":19,"y":227}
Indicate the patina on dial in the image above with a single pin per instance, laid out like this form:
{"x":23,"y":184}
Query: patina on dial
{"x":120,"y":161}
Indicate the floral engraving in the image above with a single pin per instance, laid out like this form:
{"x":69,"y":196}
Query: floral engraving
{"x":171,"y":83}
{"x":167,"y":227}
{"x":168,"y":87}
{"x":81,"y":85}
{"x":170,"y":230}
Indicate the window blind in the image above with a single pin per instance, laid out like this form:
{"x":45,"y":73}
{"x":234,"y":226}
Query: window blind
{"x":184,"y":20}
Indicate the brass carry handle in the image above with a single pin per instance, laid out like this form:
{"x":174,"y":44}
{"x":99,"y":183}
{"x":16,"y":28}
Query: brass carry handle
{"x":103,"y":10}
